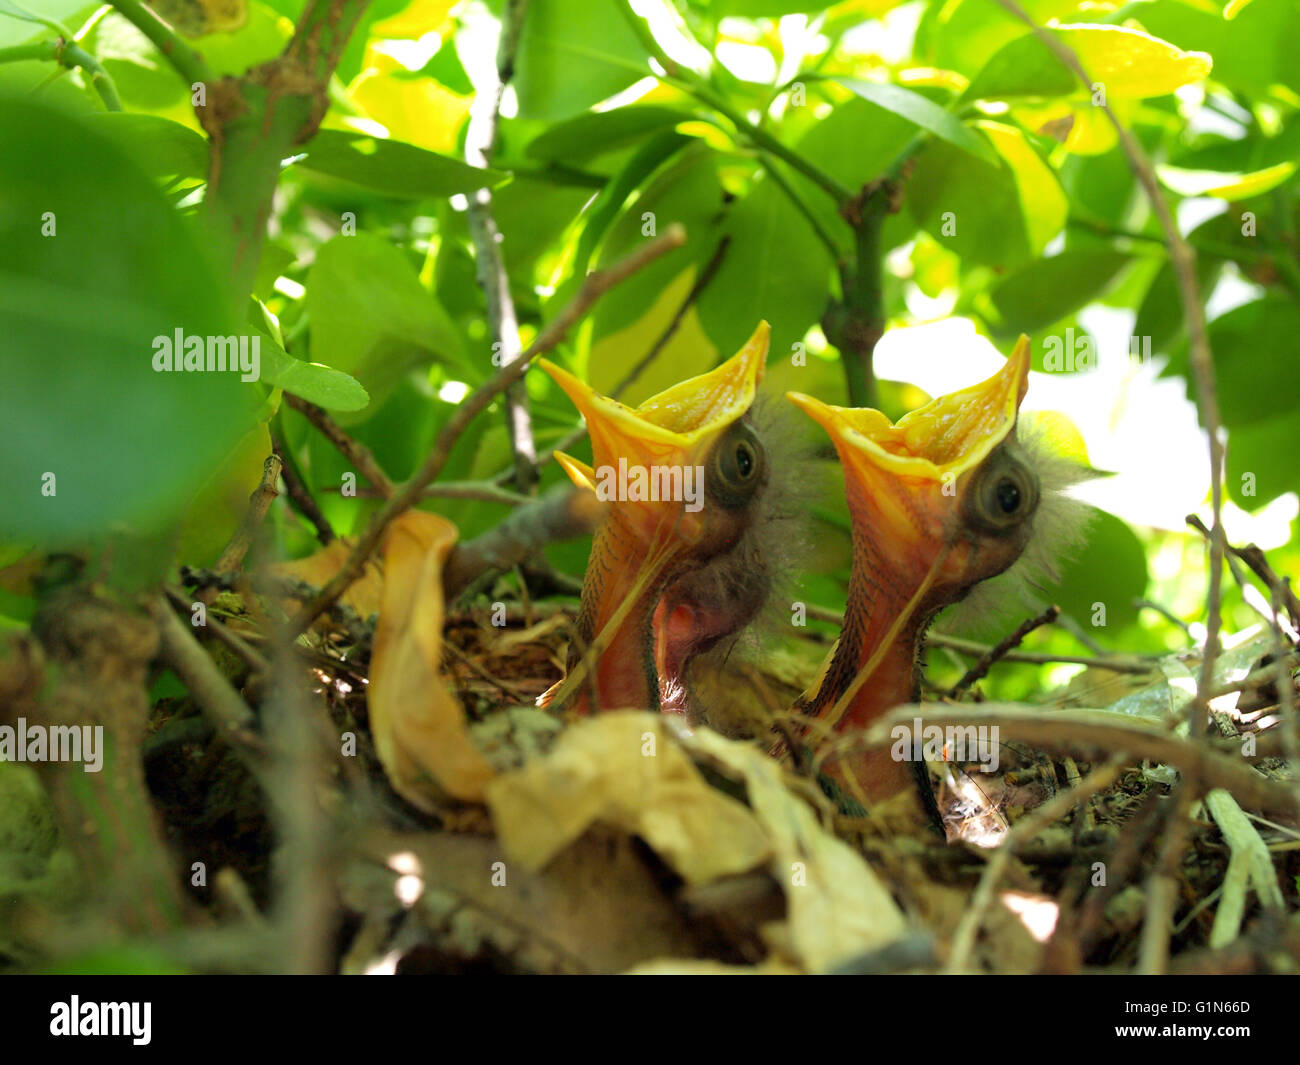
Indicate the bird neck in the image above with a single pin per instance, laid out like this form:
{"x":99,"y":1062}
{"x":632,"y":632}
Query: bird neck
{"x":617,"y":610}
{"x":891,"y":601}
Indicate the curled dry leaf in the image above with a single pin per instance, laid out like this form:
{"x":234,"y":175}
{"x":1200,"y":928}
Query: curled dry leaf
{"x":837,"y":906}
{"x":625,"y":769}
{"x":418,"y":724}
{"x":621,"y":768}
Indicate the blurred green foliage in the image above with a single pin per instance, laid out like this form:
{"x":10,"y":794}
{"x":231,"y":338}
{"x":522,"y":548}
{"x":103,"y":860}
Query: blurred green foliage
{"x":370,"y":271}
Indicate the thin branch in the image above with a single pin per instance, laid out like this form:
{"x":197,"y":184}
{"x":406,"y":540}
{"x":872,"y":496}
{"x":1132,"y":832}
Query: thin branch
{"x":1183,"y":259}
{"x":594,"y":286}
{"x":187,"y":62}
{"x":211,"y":691}
{"x":1106,"y":731}
{"x":701,"y":283}
{"x":258,"y":504}
{"x":300,"y":497}
{"x":561,"y":514}
{"x":355,"y":452}
{"x":503,"y":322}
{"x":980,"y":669}
{"x":69,"y":55}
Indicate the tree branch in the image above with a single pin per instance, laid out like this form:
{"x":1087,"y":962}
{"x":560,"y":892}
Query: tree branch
{"x":503,"y":322}
{"x":593,"y":287}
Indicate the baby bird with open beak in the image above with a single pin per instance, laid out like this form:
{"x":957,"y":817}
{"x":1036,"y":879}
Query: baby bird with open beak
{"x":944,"y":499}
{"x":685,"y":474}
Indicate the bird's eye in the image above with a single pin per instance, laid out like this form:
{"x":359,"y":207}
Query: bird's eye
{"x":746,"y":464}
{"x":737,"y":467}
{"x":1004,"y":494}
{"x":1008,"y":496}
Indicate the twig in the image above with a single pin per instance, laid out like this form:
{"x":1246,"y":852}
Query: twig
{"x":1183,"y":260}
{"x":594,"y":286}
{"x":300,"y":497}
{"x":212,"y":692}
{"x":355,"y":452}
{"x":980,"y":669}
{"x":963,"y":940}
{"x":661,"y":342}
{"x":187,"y":62}
{"x":1162,"y":885}
{"x":258,"y":504}
{"x":562,"y":514}
{"x":1116,"y":663}
{"x":1164,"y":612}
{"x":1107,"y":731}
{"x":483,"y":491}
{"x":70,"y":56}
{"x":236,"y":643}
{"x":503,"y":322}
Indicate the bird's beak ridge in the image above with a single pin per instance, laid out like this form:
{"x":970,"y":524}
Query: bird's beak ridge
{"x":939,"y":441}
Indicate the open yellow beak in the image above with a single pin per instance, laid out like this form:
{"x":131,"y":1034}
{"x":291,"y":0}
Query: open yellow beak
{"x":673,"y":428}
{"x":642,"y":538}
{"x":943,"y":439}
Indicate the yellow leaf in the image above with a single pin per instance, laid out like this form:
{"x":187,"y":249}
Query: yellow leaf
{"x":688,"y":353}
{"x":418,"y":111}
{"x":1128,"y":62}
{"x":417,"y":723}
{"x":418,"y":18}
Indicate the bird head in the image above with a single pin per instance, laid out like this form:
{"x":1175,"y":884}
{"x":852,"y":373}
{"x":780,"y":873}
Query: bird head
{"x":683,"y":474}
{"x":941,"y":500}
{"x":946,"y":494}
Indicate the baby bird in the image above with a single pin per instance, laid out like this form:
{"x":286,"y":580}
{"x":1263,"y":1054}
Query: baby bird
{"x":946,"y":498}
{"x":685,"y":474}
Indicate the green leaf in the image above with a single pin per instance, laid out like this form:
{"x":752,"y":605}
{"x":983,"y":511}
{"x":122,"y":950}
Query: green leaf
{"x":1251,"y":52}
{"x":393,"y":168}
{"x":687,"y":192}
{"x":322,"y":385}
{"x":572,"y":54}
{"x":1261,"y":461}
{"x":163,"y":147}
{"x":1128,"y":63}
{"x":144,"y":79}
{"x":593,"y":134}
{"x":82,"y":310}
{"x":1111,"y":569}
{"x":921,"y":112}
{"x":1255,"y":361}
{"x":657,"y":150}
{"x":1160,"y":315}
{"x":1045,"y":290}
{"x":996,"y":215}
{"x":774,"y":268}
{"x":371,"y":318}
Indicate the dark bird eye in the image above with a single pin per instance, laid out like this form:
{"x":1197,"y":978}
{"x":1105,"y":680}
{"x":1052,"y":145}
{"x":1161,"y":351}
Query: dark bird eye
{"x":1008,"y":495}
{"x":1003,"y":494}
{"x":737,"y":467}
{"x":745,"y":463}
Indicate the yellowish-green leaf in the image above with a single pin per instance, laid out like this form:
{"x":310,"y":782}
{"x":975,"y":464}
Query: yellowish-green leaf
{"x":1127,"y":63}
{"x":1226,"y":185}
